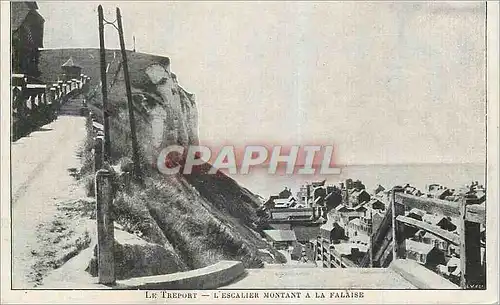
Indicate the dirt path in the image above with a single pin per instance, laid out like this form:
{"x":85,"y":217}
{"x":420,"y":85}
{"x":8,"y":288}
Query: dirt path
{"x":42,"y":164}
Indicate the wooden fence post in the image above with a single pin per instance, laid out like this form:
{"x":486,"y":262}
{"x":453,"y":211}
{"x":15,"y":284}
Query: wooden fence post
{"x":130,"y":103}
{"x":470,"y":248}
{"x":398,"y":237}
{"x":105,"y":228}
{"x":98,"y":153}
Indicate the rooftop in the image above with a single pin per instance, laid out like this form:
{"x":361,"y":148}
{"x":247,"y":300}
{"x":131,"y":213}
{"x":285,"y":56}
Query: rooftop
{"x":281,"y":235}
{"x":418,"y":247}
{"x":345,"y":248}
{"x":70,"y":63}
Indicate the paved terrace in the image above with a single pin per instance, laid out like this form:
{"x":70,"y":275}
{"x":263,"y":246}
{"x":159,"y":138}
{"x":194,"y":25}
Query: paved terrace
{"x":318,"y":278}
{"x":402,"y":274}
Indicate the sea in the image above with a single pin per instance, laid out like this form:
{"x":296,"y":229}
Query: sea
{"x":420,"y":176}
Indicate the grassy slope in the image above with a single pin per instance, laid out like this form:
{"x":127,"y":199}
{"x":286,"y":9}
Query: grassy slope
{"x":201,"y":218}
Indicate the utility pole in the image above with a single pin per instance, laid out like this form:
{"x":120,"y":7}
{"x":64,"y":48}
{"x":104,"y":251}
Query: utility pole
{"x":135,"y":148}
{"x":104,"y":89}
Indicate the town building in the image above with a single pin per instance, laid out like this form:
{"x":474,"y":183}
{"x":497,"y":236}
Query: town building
{"x":451,"y":270}
{"x":379,"y":190}
{"x":346,"y":255}
{"x":313,"y":194}
{"x":344,"y":214}
{"x":332,"y":232}
{"x":357,"y":197}
{"x":291,"y":213}
{"x":283,"y":203}
{"x":424,"y":254}
{"x":441,"y":221}
{"x":359,"y":230}
{"x":376,"y":203}
{"x":408,"y":189}
{"x":306,"y":232}
{"x":281,"y":239}
{"x":27,"y":27}
{"x":447,"y":248}
{"x":302,"y":195}
{"x":71,"y":70}
{"x":415,"y":213}
{"x":284,"y":199}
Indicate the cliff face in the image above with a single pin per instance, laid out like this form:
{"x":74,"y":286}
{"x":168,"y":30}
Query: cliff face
{"x":199,"y":218}
{"x":174,"y":118}
{"x":166,"y":112}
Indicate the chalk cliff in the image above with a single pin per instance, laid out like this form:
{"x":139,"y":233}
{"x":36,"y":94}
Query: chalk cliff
{"x":200,"y":219}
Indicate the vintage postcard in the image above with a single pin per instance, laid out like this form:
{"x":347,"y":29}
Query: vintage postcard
{"x":249,"y":152}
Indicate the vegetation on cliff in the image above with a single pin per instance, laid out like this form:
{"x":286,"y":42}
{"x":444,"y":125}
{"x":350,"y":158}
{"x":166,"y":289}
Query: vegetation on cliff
{"x":199,"y":218}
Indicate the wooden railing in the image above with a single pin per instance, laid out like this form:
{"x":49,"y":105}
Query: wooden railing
{"x":380,"y":251}
{"x":471,"y":214}
{"x":36,"y":104}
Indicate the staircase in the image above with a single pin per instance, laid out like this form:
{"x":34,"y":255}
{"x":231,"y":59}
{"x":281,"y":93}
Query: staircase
{"x":73,"y":107}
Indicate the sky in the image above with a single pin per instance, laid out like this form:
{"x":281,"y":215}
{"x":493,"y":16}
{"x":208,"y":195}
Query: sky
{"x":384,"y":82}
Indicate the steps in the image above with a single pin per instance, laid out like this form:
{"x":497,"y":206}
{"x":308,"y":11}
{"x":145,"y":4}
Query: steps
{"x":73,"y":107}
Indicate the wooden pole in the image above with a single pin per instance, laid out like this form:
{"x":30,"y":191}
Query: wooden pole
{"x":104,"y":88}
{"x":470,"y":249}
{"x":105,"y":228}
{"x":135,"y":146}
{"x":98,"y":160}
{"x":370,"y":249}
{"x":398,"y":238}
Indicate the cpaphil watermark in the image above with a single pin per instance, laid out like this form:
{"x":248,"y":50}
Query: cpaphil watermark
{"x":294,"y":159}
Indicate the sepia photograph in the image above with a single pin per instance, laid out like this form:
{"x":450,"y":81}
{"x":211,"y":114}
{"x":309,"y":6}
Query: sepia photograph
{"x":255,"y":152}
